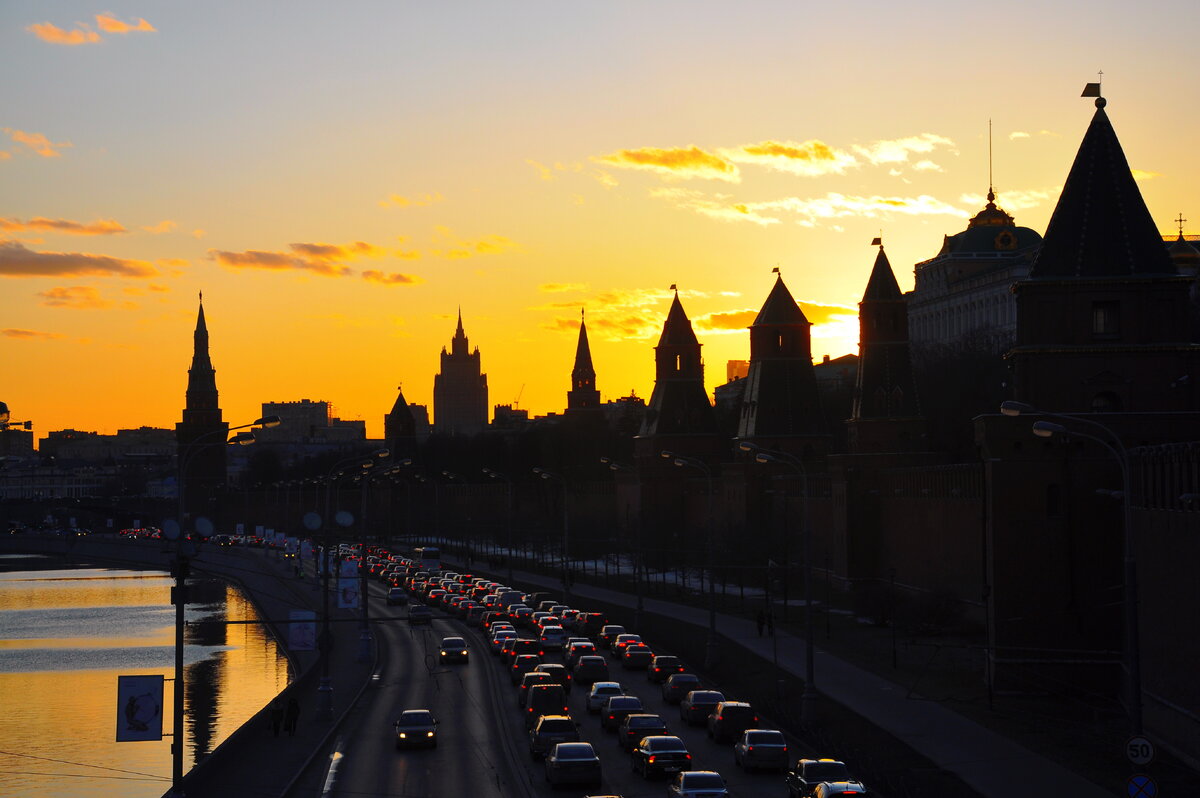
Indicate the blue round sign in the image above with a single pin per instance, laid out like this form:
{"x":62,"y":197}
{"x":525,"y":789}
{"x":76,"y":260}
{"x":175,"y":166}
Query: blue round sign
{"x":1140,"y":786}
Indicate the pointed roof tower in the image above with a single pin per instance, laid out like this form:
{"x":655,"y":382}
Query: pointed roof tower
{"x":1101,"y":226}
{"x":679,"y":404}
{"x":200,"y":436}
{"x":882,"y":283}
{"x":583,"y":394}
{"x":202,"y":377}
{"x":400,"y":428}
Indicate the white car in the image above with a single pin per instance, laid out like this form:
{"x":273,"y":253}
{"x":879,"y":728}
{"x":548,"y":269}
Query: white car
{"x":552,"y":638}
{"x":601,"y":692}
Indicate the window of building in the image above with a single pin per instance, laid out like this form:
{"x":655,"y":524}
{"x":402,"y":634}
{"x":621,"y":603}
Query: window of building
{"x":1106,"y":319}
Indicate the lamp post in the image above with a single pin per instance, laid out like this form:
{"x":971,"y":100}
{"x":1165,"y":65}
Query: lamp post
{"x":508,"y":557}
{"x":808,"y":699}
{"x":325,"y":687}
{"x":1132,"y":646}
{"x":242,"y":438}
{"x":639,"y":560}
{"x":185,"y":549}
{"x":566,"y":567}
{"x":710,"y":647}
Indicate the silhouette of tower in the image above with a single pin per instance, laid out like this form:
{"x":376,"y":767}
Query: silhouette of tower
{"x":886,"y":416}
{"x":200,"y":436}
{"x":460,"y":393}
{"x":583,"y":394}
{"x":400,"y":429}
{"x":780,"y":402}
{"x":679,"y":403}
{"x":1103,"y":320}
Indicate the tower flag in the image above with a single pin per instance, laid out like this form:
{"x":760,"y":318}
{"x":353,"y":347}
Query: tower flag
{"x":1091,"y":90}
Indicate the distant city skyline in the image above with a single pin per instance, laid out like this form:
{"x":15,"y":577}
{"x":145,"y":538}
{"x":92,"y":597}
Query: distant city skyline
{"x":339,"y":190}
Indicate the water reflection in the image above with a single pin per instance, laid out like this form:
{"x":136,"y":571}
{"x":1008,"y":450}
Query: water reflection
{"x":66,"y":635}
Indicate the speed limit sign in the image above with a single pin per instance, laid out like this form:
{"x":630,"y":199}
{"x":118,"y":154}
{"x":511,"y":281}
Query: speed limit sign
{"x":1139,"y":750}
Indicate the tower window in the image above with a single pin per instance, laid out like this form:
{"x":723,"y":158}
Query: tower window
{"x":1106,"y":319}
{"x":679,"y":362}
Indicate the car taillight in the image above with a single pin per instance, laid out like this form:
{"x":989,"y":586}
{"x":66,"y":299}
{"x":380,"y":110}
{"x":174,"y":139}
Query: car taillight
{"x":749,"y":748}
{"x":687,"y":756}
{"x":652,"y":758}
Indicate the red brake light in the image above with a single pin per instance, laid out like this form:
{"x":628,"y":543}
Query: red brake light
{"x":749,"y":748}
{"x":652,"y":758}
{"x":689,"y":756}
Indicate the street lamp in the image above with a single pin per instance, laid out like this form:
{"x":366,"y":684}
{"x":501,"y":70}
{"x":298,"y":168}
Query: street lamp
{"x":710,"y":648}
{"x":639,"y":559}
{"x":566,"y":573}
{"x":508,"y":532}
{"x":1133,"y":656}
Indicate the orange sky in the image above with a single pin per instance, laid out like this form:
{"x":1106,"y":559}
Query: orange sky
{"x":339,"y":190}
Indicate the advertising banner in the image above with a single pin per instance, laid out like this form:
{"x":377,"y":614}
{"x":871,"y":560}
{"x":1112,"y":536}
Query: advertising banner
{"x":348,"y":583}
{"x":139,"y":708}
{"x":302,"y":631}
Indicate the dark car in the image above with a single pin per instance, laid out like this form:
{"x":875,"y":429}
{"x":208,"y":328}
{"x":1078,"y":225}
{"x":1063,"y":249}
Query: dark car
{"x":416,"y":727}
{"x":590,"y":669}
{"x":833,"y":789}
{"x":729,"y":719}
{"x":522,"y":665}
{"x":707,"y":783}
{"x":616,"y":708}
{"x":524,"y":645}
{"x":637,"y":657}
{"x":608,"y":634}
{"x":663,"y":667}
{"x":696,"y":705}
{"x":453,"y":649}
{"x":544,"y":699}
{"x":638,"y":725}
{"x":761,"y":748}
{"x":528,"y":681}
{"x":420,"y":614}
{"x":573,"y":763}
{"x":589,"y":624}
{"x":802,"y":779}
{"x":549,"y":732}
{"x":659,"y":755}
{"x":679,"y":685}
{"x":397,"y":596}
{"x":600,"y":692}
{"x":560,"y":673}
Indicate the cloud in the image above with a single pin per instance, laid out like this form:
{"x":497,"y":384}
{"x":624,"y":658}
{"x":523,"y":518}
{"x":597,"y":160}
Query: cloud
{"x":561,"y":288}
{"x":49,"y":32}
{"x":17,"y":260}
{"x":487,"y":245}
{"x":398,"y":201}
{"x":1141,"y":175}
{"x":926,"y":166}
{"x":1017,"y":134}
{"x":30,"y":335}
{"x":676,"y":162}
{"x":5,"y":155}
{"x":1015,"y":200}
{"x":165,"y":226}
{"x":834,"y":205}
{"x":324,"y":259}
{"x":76,"y":297}
{"x":808,"y":158}
{"x":544,"y":172}
{"x":393,"y":278}
{"x":723,"y":322}
{"x":37,"y":142}
{"x":100,"y":227}
{"x":819,"y":313}
{"x":717,"y":206}
{"x":110,"y":24}
{"x":198,"y":233}
{"x":898,"y":150}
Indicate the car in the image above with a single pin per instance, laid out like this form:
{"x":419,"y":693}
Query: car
{"x":638,"y":725}
{"x":524,"y":645}
{"x":590,"y":669}
{"x":416,"y":727}
{"x":396,"y":595}
{"x":497,"y":643}
{"x":729,"y":719}
{"x":552,"y":638}
{"x":832,"y":789}
{"x":696,"y":705}
{"x":589,"y":623}
{"x":761,"y":748}
{"x":621,"y":641}
{"x":662,"y":667}
{"x":806,"y":774}
{"x":544,"y":699}
{"x":420,"y":614}
{"x":660,"y":754}
{"x":560,"y":672}
{"x":522,"y":665}
{"x":608,"y":633}
{"x":550,"y":730}
{"x":498,"y":626}
{"x":528,"y":681}
{"x":637,"y":657}
{"x":679,"y":685}
{"x":616,"y":708}
{"x":453,"y":649}
{"x":506,"y":648}
{"x":573,"y":763}
{"x":697,"y":783}
{"x":601,"y":692}
{"x":576,"y":649}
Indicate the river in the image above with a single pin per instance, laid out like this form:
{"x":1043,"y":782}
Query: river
{"x":65,"y":636}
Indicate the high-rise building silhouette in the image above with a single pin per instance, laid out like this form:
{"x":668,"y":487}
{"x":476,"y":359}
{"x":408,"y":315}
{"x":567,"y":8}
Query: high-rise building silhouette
{"x":201,"y":434}
{"x":460,"y":392}
{"x":583,"y":394}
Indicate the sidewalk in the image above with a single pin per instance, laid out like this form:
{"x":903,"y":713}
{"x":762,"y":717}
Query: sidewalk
{"x":991,"y":764}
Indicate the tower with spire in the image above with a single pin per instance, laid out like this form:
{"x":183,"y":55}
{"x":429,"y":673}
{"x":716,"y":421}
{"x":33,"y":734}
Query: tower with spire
{"x":200,"y":436}
{"x":583,"y":395}
{"x":1103,"y":322}
{"x":780,"y":404}
{"x":679,"y":404}
{"x":886,"y":416}
{"x":460,"y":392}
{"x":400,"y":429}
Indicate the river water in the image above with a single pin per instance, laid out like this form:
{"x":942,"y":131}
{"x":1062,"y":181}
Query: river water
{"x":65,"y":636}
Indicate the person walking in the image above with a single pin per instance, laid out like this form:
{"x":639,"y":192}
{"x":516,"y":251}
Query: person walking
{"x":291,"y":716}
{"x":276,"y":716}
{"x":759,"y":621}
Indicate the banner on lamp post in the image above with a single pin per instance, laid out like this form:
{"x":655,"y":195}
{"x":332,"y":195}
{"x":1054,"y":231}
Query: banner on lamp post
{"x":302,"y":631}
{"x":348,"y":583}
{"x":139,"y":708}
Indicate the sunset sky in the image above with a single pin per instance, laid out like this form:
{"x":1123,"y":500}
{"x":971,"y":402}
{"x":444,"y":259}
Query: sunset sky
{"x":339,"y":178}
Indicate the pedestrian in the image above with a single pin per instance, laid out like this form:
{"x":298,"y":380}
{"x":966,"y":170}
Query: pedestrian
{"x":770,"y":623}
{"x":759,"y":621}
{"x":276,"y":716}
{"x":292,"y":715}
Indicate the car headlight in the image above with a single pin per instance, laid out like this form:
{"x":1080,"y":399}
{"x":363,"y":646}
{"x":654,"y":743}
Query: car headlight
{"x":403,"y":735}
{"x":428,"y":734}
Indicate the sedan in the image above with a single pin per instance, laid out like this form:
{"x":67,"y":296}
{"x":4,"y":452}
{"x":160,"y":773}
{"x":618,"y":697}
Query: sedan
{"x":638,"y":725}
{"x":397,"y":596}
{"x":621,"y":641}
{"x":416,"y":727}
{"x":616,"y":708}
{"x":590,"y":669}
{"x":663,"y":667}
{"x":697,"y":784}
{"x":679,"y":685}
{"x":573,"y":763}
{"x":523,"y":664}
{"x":453,"y":649}
{"x":696,"y":706}
{"x":659,"y":755}
{"x":637,"y":657}
{"x":761,"y":748}
{"x":601,"y":692}
{"x":499,"y":637}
